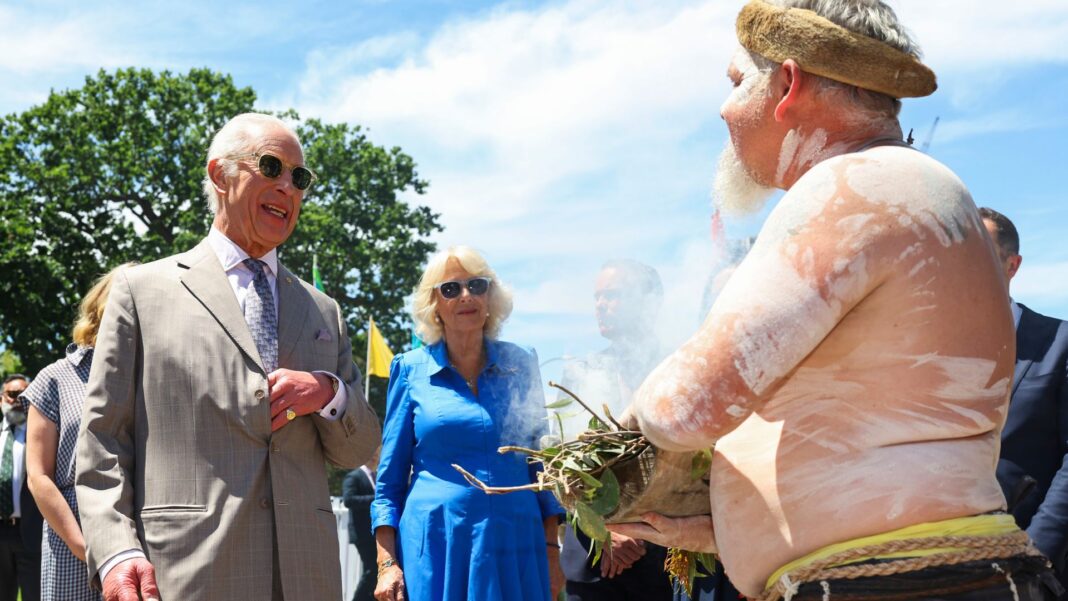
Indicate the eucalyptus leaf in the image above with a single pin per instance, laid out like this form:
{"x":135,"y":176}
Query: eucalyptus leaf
{"x":588,"y":480}
{"x":563,"y":402}
{"x":606,"y":498}
{"x":591,"y":524}
{"x":701,"y":463}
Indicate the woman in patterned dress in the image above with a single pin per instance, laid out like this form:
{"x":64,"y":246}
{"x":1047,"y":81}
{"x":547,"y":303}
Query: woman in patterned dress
{"x":55,"y":398}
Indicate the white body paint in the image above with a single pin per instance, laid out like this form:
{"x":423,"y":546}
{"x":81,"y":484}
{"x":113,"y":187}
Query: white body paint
{"x":854,"y":372}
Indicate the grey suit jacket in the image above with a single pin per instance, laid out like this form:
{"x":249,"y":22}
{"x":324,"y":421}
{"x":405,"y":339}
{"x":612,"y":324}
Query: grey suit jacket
{"x":176,"y":455}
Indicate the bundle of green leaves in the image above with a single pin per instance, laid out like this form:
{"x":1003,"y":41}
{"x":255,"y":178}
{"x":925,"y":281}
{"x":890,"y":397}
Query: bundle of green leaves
{"x":580,"y":475}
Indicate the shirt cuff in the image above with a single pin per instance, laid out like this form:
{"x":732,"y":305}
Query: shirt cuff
{"x":116,"y":559}
{"x":336,"y":407}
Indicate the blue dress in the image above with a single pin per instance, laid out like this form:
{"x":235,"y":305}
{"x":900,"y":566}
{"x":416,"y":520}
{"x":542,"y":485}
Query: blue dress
{"x":455,"y":542}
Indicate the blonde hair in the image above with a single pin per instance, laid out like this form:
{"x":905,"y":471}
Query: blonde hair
{"x":425,"y":301}
{"x":91,"y":310}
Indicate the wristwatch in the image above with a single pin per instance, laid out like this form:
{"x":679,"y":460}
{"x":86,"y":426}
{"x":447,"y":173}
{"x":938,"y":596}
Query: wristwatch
{"x":385,"y":565}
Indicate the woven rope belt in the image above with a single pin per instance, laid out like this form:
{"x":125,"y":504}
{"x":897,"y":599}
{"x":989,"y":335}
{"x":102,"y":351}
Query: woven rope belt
{"x":965,"y":549}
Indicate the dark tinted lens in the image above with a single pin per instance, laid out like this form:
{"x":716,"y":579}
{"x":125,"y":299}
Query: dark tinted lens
{"x":302,"y":178}
{"x":450,"y":289}
{"x":477,"y":286}
{"x":270,"y":166}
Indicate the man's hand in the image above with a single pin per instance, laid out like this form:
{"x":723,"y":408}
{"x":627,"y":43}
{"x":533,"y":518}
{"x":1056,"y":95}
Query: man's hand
{"x":620,"y":555}
{"x":298,"y":391}
{"x":691,"y":533}
{"x":131,"y":580}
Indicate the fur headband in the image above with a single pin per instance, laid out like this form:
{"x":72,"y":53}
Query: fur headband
{"x":825,"y":48}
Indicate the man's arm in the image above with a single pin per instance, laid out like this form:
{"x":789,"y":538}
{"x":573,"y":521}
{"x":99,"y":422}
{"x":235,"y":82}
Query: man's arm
{"x":809,"y":267}
{"x":106,"y":452}
{"x":349,"y":441}
{"x":1049,"y":527}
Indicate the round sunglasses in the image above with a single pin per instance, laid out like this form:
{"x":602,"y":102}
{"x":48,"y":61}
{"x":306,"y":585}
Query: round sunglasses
{"x":453,"y":288}
{"x":271,"y":167}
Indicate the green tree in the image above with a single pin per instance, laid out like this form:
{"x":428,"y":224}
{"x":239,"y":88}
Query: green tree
{"x":111,"y":172}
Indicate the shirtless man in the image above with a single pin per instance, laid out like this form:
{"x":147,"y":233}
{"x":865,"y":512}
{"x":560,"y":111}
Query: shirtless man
{"x":841,"y":374}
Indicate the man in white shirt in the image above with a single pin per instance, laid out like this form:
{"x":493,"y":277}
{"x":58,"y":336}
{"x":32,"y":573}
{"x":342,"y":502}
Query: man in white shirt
{"x":20,"y":522}
{"x":221,"y":384}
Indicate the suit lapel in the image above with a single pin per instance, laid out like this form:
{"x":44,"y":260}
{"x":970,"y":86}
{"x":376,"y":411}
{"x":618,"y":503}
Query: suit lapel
{"x":206,"y":280}
{"x":293,"y":305}
{"x":1028,"y":338}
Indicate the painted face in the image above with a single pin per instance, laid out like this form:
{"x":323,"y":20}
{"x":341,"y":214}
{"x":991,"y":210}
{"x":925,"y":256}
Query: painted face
{"x":465,"y":313}
{"x":259,"y":213}
{"x":748,"y":115}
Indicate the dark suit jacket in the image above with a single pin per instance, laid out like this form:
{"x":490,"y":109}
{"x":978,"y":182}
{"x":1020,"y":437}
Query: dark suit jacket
{"x":1033,"y":468}
{"x":357,"y":494}
{"x":31,"y":523}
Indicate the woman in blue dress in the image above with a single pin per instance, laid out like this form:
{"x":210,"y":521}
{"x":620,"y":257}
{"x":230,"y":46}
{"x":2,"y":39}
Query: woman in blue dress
{"x":456,"y":401}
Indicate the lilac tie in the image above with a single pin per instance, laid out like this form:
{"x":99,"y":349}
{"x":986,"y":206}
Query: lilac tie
{"x":260,"y":315}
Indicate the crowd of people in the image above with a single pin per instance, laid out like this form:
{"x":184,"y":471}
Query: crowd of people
{"x":853,"y":376}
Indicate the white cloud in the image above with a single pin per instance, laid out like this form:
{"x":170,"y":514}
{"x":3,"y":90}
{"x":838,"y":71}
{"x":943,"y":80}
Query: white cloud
{"x":30,"y":44}
{"x":963,"y":35}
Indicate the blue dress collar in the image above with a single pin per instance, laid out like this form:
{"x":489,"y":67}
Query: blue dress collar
{"x":439,"y":355}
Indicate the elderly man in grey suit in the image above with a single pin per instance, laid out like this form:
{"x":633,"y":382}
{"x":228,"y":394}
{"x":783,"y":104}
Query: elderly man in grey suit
{"x":220,"y":386}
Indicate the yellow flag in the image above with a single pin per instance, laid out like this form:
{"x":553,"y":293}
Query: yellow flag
{"x":378,"y":353}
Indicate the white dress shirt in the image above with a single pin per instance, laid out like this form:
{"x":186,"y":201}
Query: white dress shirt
{"x":1016,"y":313}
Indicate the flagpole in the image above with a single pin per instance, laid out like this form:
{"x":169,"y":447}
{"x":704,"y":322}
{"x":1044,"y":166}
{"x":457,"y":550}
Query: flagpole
{"x":367,"y":376}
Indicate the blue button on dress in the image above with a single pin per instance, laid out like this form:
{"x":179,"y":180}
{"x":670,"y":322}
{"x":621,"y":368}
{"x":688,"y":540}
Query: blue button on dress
{"x":455,"y":542}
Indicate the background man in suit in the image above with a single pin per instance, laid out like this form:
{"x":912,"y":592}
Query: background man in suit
{"x":220,"y":385}
{"x":20,"y":521}
{"x":357,"y":492}
{"x":1033,"y":467}
{"x":627,"y":295}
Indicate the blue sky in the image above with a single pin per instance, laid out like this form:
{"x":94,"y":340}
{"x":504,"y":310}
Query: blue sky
{"x":556,"y":135}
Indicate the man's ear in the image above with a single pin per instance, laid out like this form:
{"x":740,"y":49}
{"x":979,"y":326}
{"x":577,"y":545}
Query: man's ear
{"x":788,"y":82}
{"x":217,"y":173}
{"x":1013,"y":265}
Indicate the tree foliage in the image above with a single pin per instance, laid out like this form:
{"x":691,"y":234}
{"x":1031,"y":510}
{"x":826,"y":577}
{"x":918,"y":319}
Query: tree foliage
{"x":111,"y":172}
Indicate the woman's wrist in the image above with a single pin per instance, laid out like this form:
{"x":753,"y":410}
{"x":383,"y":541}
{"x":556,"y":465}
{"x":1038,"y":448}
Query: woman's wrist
{"x":552,"y":544}
{"x":386,"y":564}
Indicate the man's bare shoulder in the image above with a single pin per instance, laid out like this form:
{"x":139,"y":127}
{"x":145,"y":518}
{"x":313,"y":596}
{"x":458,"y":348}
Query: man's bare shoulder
{"x":882,"y":190}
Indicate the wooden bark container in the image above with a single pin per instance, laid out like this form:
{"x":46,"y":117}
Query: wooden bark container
{"x":659,"y":481}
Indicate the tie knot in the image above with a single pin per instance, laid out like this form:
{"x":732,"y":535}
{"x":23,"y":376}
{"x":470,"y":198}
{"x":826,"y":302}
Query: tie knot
{"x":256,"y":266}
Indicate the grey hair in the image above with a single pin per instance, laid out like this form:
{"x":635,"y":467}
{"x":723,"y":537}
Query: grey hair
{"x":425,"y":301}
{"x":871,"y":18}
{"x":237,"y":136}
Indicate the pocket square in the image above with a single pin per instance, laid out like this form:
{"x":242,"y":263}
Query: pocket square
{"x":323,"y":335}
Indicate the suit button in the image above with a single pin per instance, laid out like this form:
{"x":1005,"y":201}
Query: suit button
{"x":259,"y":395}
{"x":274,"y":448}
{"x":264,"y":503}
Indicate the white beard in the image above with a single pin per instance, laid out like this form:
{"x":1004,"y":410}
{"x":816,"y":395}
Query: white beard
{"x":734,"y":191}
